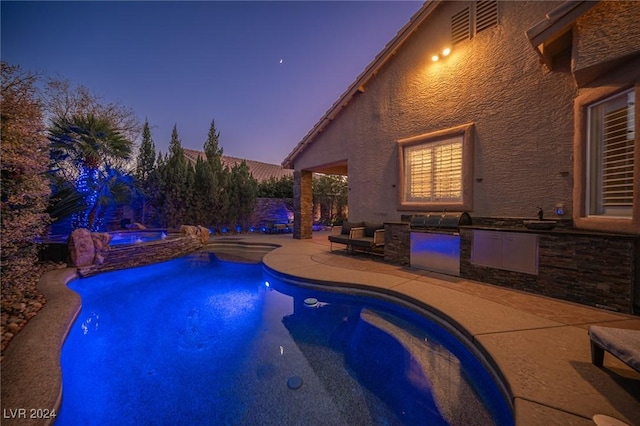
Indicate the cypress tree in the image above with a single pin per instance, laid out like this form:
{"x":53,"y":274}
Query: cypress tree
{"x":157,"y":190}
{"x":146,"y":160}
{"x":189,"y":197}
{"x":212,"y":149}
{"x":203,"y":192}
{"x":145,"y":166}
{"x":174,"y":183}
{"x":217,"y":202}
{"x":242,"y":189}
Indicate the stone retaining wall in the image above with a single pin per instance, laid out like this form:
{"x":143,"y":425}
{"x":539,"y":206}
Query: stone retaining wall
{"x":277,"y":209}
{"x":143,"y":254}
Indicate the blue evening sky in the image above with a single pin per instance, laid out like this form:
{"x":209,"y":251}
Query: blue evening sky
{"x":265,"y":71}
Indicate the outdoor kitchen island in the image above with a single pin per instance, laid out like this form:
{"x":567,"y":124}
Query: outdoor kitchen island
{"x":590,"y":268}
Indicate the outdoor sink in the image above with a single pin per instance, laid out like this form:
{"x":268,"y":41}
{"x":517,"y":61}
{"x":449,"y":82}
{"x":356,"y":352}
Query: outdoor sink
{"x":544,"y":225}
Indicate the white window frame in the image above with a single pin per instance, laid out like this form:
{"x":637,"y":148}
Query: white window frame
{"x":621,"y":158}
{"x":430,"y":144}
{"x":582,"y":218}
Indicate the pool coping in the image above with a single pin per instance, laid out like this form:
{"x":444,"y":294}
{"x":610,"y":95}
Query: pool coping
{"x":539,"y":345}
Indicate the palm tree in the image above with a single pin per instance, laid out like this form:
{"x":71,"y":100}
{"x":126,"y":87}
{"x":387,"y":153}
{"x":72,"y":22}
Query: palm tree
{"x":91,"y":152}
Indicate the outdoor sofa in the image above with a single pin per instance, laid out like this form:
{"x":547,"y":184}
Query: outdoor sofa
{"x":365,"y":236}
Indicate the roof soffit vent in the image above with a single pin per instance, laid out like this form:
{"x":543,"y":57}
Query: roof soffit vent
{"x":461,"y":26}
{"x":468,"y":22}
{"x":486,"y":14}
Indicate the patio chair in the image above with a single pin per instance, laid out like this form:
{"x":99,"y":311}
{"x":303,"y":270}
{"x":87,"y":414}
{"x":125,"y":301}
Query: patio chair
{"x":621,"y":343}
{"x":343,"y":234}
{"x":368,"y":238}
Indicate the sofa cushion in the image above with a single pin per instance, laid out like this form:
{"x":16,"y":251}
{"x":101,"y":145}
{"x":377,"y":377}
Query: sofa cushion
{"x":340,"y":238}
{"x":371,"y":228}
{"x":346,"y":226}
{"x":623,"y":344}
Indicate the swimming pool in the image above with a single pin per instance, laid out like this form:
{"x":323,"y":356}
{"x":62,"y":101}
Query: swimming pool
{"x":198,"y":340}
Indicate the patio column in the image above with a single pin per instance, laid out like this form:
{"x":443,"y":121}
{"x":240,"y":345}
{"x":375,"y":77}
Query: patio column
{"x":302,"y":204}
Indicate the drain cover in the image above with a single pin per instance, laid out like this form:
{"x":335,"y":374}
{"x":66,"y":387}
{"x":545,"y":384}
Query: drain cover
{"x":310,"y":301}
{"x":294,"y":382}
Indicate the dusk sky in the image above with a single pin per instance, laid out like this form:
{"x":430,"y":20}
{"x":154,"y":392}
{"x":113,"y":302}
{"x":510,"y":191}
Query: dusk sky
{"x":265,"y":71}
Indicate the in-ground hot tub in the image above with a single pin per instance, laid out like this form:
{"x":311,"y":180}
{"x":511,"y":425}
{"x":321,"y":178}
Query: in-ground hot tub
{"x":136,"y":237}
{"x":55,"y":247}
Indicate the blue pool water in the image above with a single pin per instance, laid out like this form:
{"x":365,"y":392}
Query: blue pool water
{"x":202,"y":341}
{"x":135,"y":237}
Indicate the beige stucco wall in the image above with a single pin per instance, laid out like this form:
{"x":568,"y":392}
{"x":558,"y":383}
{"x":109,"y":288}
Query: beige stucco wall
{"x":606,"y":32}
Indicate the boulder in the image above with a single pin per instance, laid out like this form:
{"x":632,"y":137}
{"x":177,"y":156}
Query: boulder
{"x":101,"y":240}
{"x":99,"y":260}
{"x":188,"y":230}
{"x":203,"y":233}
{"x":81,"y":248}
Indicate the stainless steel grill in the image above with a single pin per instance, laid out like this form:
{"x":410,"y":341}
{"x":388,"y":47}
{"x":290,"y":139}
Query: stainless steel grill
{"x":435,"y":241}
{"x":447,"y":221}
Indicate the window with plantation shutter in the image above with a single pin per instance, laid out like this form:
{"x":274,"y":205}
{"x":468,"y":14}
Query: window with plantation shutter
{"x":611,"y":154}
{"x":436,"y":169}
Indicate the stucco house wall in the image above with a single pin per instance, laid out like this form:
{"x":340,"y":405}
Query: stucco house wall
{"x":606,"y":32}
{"x":523,"y":140}
{"x":527,"y":116}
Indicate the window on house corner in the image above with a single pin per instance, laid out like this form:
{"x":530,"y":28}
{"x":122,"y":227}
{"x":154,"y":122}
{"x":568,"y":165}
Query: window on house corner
{"x":433,"y":171}
{"x":610,"y":144}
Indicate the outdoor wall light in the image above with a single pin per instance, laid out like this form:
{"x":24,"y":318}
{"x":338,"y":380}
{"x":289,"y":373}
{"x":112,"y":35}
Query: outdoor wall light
{"x":445,"y":52}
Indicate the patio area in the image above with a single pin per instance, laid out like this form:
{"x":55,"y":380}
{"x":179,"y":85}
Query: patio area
{"x":539,"y":345}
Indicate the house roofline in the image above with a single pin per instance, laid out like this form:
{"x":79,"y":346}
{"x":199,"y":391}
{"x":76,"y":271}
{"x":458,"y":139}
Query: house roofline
{"x":358,"y":85}
{"x":558,"y":19}
{"x":260,"y":170}
{"x":557,"y":22}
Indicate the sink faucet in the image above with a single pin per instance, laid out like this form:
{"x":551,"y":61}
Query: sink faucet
{"x":540,"y":213}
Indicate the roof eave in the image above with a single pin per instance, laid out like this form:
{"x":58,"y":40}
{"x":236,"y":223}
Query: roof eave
{"x":557,"y":22}
{"x":360,"y":82}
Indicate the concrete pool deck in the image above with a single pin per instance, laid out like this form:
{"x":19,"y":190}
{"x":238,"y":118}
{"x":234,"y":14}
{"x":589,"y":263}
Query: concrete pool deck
{"x":540,"y":345}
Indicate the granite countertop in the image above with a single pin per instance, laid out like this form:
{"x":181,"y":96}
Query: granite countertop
{"x":559,"y":230}
{"x":555,"y":231}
